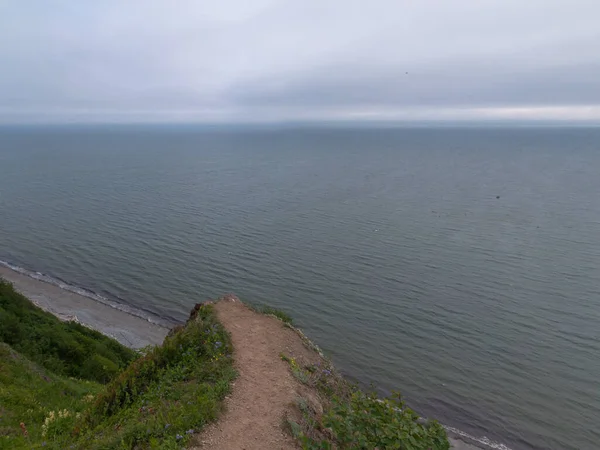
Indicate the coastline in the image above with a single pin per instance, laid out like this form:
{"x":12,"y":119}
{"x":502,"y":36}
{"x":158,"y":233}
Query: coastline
{"x":458,"y":444}
{"x":129,"y":330}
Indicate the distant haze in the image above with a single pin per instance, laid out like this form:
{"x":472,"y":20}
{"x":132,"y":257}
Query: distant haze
{"x":273,"y":61}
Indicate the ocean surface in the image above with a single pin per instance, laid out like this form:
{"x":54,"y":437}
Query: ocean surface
{"x":459,"y":266}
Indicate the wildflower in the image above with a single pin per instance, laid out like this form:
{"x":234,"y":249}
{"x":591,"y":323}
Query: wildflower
{"x":178,"y":436}
{"x":218,"y":344}
{"x":47,"y":421}
{"x":190,"y":431}
{"x":167,"y":425}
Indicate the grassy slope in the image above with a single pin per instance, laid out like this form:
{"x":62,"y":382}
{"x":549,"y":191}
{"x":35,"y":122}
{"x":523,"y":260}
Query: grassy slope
{"x":351,"y":419}
{"x":50,"y":375}
{"x":161,"y":398}
{"x":28,"y":393}
{"x":165,"y":396}
{"x":348,"y":418}
{"x":65,"y":348}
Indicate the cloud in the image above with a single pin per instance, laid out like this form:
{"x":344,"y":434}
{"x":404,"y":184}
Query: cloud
{"x":272,"y":60}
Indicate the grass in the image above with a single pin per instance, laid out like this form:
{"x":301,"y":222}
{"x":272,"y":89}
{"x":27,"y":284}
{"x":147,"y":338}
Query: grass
{"x":29,"y":393}
{"x":348,"y":418}
{"x":270,"y":311}
{"x":165,"y":396}
{"x":157,"y":402}
{"x":65,"y":348}
{"x":51,"y":396}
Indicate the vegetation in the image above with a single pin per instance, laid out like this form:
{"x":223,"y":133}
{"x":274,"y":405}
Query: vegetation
{"x":65,"y":348}
{"x":351,"y":419}
{"x":52,"y":396}
{"x":157,"y":402}
{"x":29,"y":394}
{"x":166,"y":395}
{"x":270,"y":311}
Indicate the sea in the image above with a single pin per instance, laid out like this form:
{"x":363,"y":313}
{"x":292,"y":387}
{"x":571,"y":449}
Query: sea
{"x":459,"y":266}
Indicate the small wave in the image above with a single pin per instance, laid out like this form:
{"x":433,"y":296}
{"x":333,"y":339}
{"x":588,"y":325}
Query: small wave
{"x":89,"y":294}
{"x":477,"y":440}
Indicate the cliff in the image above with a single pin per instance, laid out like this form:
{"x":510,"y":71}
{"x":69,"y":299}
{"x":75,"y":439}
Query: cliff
{"x":66,"y":386}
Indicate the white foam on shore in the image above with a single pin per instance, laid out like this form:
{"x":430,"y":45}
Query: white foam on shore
{"x":479,"y":441}
{"x":87,"y":293}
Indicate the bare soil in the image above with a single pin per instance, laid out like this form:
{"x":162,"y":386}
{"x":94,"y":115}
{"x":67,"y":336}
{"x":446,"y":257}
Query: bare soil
{"x":265,"y":391}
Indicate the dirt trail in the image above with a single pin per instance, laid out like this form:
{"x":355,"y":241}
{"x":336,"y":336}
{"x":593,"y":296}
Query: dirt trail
{"x":264,"y":391}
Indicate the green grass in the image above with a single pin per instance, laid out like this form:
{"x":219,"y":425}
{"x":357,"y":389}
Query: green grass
{"x":157,"y":402}
{"x":350,"y":419}
{"x":166,"y":395}
{"x":268,"y":310}
{"x":29,"y":393}
{"x":65,"y":348}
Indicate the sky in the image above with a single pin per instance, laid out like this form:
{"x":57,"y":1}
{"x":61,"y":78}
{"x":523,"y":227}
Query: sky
{"x":276,"y":61}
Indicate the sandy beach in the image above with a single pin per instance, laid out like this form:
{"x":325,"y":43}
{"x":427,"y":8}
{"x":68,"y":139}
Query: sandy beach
{"x":458,"y":444}
{"x":132,"y":331}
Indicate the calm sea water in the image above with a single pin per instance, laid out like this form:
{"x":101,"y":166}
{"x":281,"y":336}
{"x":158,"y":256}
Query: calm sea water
{"x":390,"y":248}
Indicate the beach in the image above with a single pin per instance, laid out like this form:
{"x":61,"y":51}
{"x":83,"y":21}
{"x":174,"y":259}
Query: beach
{"x":131,"y":331}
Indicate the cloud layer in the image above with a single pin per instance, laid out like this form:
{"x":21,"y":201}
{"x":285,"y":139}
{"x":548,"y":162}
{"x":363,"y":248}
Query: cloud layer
{"x":269,"y":60}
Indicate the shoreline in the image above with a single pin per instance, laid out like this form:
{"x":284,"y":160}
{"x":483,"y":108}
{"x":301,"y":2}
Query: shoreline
{"x":130,"y":330}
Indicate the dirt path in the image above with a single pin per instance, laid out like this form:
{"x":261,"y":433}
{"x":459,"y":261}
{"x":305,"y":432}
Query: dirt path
{"x":264,"y":391}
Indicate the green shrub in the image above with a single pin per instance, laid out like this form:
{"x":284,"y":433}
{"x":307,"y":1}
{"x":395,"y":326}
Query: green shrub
{"x":354,"y":420}
{"x":66,"y":348}
{"x":158,"y":402}
{"x":100,"y":368}
{"x":367,"y":422}
{"x":281,"y":315}
{"x":165,"y":395}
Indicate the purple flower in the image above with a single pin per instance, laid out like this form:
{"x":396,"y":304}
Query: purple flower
{"x":189,"y":432}
{"x":218,"y":344}
{"x":167,"y":426}
{"x":178,"y":436}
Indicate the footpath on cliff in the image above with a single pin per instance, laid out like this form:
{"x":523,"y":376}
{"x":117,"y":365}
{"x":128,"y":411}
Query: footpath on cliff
{"x":264,"y":392}
{"x":264,"y":395}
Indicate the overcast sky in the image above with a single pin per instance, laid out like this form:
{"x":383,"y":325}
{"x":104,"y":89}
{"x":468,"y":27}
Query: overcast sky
{"x":269,"y":60}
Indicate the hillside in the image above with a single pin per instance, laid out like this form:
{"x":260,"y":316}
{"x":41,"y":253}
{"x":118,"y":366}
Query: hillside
{"x":158,"y":401}
{"x":33,"y":401}
{"x":287,"y":395}
{"x":65,"y":348}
